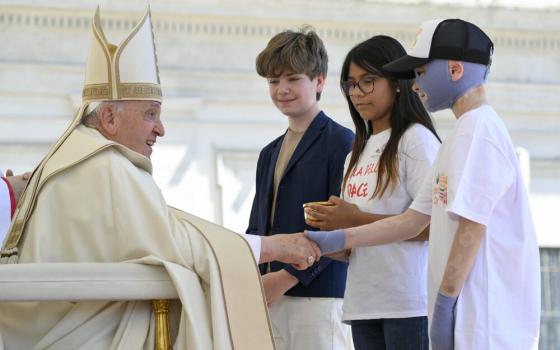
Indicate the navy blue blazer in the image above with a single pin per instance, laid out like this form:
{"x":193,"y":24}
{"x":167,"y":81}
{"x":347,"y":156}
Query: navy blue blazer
{"x":314,"y":173}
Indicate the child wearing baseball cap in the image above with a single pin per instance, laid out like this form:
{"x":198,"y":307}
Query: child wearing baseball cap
{"x":484,"y":274}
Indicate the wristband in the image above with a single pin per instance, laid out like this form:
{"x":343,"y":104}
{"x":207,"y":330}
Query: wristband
{"x":328,"y":241}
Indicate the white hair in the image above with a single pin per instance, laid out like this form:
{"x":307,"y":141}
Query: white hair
{"x":91,"y":107}
{"x":90,"y":117}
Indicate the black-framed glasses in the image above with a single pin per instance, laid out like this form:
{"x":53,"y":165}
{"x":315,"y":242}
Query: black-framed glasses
{"x":366,"y":85}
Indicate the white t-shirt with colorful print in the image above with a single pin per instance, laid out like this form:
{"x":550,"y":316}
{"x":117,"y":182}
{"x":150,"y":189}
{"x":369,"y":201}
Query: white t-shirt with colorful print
{"x":477,"y":176}
{"x":389,"y":281}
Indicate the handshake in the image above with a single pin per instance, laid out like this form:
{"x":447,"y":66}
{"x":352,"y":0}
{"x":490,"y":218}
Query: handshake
{"x":292,"y":248}
{"x":301,"y":249}
{"x":304,"y":249}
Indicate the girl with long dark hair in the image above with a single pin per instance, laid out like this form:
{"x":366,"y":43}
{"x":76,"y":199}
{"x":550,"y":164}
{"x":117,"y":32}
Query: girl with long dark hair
{"x":385,"y":300}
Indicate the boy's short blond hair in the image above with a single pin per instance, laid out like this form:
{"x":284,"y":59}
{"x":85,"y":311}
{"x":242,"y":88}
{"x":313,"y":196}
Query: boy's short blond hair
{"x":298,"y":52}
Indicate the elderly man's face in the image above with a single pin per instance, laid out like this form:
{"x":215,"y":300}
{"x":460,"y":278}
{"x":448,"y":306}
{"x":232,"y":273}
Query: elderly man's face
{"x":139,"y":125}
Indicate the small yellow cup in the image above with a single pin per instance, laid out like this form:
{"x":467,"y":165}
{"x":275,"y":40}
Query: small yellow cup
{"x":310,"y":217}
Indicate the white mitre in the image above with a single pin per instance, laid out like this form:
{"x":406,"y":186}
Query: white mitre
{"x":125,"y":72}
{"x":128,"y":71}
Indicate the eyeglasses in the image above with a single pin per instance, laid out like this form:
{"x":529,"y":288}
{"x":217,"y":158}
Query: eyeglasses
{"x":366,"y":85}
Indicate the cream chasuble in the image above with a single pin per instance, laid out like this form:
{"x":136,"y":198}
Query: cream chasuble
{"x":97,"y":202}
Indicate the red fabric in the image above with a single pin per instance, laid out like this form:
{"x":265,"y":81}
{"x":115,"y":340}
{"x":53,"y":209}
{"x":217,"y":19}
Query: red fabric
{"x":12,"y":197}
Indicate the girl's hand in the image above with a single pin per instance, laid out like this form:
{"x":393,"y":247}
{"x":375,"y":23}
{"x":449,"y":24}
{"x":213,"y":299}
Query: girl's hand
{"x":339,"y":215}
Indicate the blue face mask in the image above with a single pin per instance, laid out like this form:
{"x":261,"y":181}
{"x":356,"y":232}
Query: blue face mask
{"x":442,"y":93}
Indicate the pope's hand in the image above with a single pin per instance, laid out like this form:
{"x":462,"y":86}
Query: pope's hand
{"x":292,"y":248}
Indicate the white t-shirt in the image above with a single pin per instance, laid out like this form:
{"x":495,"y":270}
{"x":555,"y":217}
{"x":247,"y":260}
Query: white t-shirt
{"x":5,"y":208}
{"x":477,"y":176}
{"x":389,"y":281}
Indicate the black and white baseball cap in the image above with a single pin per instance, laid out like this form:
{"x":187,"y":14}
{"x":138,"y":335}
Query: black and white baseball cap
{"x":445,"y":39}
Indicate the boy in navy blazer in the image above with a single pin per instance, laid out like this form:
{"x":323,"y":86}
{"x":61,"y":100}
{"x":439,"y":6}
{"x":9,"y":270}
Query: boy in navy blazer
{"x":303,"y":165}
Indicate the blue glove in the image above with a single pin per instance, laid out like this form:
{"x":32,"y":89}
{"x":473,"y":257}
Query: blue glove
{"x":443,"y":323}
{"x":328,"y":241}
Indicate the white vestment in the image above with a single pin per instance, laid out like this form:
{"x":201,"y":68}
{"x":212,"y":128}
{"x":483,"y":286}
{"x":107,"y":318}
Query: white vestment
{"x":97,"y":202}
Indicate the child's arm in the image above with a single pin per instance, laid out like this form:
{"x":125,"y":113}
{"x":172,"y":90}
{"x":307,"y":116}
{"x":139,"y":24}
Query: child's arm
{"x":464,"y":250}
{"x":392,"y":229}
{"x":276,"y":284}
{"x":463,"y":253}
{"x":345,"y":215}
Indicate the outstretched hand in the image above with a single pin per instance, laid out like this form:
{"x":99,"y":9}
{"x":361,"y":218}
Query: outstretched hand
{"x":332,"y":217}
{"x":293,"y":248}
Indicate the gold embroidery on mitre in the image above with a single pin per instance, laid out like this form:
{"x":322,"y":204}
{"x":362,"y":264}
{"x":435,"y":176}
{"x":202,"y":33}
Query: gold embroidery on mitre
{"x":114,"y":89}
{"x":139,"y":91}
{"x":155,"y":53}
{"x":100,"y":37}
{"x":96,"y":92}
